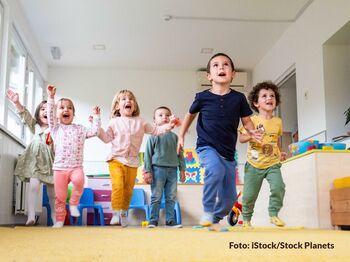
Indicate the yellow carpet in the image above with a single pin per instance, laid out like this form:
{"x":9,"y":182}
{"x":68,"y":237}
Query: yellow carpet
{"x":162,"y":244}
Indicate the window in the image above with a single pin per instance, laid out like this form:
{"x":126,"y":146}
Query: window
{"x":34,"y":86}
{"x":1,"y":57}
{"x":16,"y":79}
{"x":1,"y":27}
{"x":25,"y":79}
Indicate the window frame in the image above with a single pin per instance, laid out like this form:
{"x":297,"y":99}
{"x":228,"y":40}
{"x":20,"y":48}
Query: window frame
{"x":28,"y":91}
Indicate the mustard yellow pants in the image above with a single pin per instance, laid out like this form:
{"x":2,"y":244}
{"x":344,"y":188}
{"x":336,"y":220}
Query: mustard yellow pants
{"x":123,"y":181}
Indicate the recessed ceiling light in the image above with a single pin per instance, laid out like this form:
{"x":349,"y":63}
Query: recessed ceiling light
{"x":207,"y":50}
{"x":99,"y":47}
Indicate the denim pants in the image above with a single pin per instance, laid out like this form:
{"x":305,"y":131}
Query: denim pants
{"x":219,"y":192}
{"x":164,"y":178}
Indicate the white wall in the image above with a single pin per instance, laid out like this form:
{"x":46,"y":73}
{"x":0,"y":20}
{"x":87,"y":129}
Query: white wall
{"x":301,"y":45}
{"x":9,"y":151}
{"x":97,"y":86}
{"x":337,"y":88}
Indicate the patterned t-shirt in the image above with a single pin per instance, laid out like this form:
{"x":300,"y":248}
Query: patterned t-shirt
{"x":69,"y":140}
{"x":266,"y":154}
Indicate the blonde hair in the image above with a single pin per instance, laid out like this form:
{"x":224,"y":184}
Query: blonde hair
{"x":115,"y":112}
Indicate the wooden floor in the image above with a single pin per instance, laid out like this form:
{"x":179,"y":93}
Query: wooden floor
{"x":163,"y":244}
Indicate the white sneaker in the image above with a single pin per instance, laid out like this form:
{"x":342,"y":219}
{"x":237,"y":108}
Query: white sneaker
{"x":58,"y":224}
{"x":124,"y":218}
{"x":115,"y":219}
{"x":74,"y":211}
{"x":206,"y":219}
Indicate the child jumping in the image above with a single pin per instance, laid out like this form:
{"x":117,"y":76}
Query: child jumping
{"x":263,"y":158}
{"x":125,"y":131}
{"x":161,"y":164}
{"x":34,"y":165}
{"x":220,"y":108}
{"x":69,"y":141}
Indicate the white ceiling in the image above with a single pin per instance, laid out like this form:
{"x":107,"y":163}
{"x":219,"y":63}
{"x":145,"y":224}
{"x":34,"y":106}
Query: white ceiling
{"x":137,"y":37}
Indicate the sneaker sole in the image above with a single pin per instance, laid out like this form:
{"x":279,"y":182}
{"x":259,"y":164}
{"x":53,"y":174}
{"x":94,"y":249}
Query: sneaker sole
{"x":205,"y":224}
{"x":177,"y":226}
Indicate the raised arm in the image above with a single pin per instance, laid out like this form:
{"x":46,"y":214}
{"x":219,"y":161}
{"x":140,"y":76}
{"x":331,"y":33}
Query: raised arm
{"x":188,"y":119}
{"x":51,"y":116}
{"x":21,"y":110}
{"x":96,"y":122}
{"x":14,"y":98}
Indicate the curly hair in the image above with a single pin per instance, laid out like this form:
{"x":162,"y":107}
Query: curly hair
{"x":254,"y":94}
{"x":116,"y":112}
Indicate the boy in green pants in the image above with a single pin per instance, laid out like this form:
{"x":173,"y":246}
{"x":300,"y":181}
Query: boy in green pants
{"x":263,"y":158}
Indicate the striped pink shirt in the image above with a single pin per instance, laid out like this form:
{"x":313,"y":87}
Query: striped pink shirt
{"x":126,"y":134}
{"x":69,"y":139}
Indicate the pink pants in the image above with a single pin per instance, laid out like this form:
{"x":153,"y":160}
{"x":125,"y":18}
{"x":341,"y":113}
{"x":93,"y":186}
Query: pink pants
{"x":62,"y":179}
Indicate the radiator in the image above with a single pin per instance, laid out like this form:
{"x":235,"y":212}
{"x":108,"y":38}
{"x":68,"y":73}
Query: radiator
{"x":20,"y":193}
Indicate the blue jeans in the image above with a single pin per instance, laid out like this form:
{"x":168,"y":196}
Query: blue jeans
{"x":164,"y":178}
{"x":219,"y":192}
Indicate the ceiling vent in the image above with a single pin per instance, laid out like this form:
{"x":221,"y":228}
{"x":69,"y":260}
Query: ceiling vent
{"x":55,"y":52}
{"x":239,"y":83}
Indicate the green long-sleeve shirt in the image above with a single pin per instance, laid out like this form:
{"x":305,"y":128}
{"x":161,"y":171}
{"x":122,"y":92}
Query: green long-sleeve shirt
{"x":161,"y":151}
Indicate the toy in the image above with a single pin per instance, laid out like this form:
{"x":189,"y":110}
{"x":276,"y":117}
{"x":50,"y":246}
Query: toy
{"x":144,"y":223}
{"x":303,"y":146}
{"x":232,"y":217}
{"x":175,"y":120}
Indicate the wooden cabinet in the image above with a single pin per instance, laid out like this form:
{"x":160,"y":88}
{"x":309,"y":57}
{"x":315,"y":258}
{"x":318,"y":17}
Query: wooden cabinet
{"x":308,"y":180}
{"x":340,"y":206}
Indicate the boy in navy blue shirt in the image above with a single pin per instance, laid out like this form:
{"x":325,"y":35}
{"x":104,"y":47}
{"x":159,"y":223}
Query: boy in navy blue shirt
{"x":220,"y":108}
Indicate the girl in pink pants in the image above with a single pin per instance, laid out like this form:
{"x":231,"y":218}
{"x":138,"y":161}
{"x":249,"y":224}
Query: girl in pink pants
{"x":69,"y":141}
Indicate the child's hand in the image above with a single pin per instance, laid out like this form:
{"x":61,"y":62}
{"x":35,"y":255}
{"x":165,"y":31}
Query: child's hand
{"x":51,"y":91}
{"x":174,"y":121}
{"x":283,"y":156}
{"x":96,"y":110}
{"x":256,"y":134}
{"x":180,"y":145}
{"x":182,"y":176}
{"x":147,"y":177}
{"x":12,"y":96}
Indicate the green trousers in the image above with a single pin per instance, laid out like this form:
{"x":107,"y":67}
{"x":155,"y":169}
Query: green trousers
{"x":253,"y":179}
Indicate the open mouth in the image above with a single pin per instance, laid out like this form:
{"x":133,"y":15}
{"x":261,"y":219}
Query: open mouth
{"x":128,"y":107}
{"x":66,"y":115}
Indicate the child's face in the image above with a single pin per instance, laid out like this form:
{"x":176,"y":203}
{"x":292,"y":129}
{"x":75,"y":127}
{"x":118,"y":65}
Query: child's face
{"x":126,"y":105}
{"x":266,"y":100}
{"x":65,"y":112}
{"x":221,"y":71}
{"x":43,"y":114}
{"x":161,"y":116}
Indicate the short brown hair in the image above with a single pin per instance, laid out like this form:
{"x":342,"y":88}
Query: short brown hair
{"x":220,"y":54}
{"x":161,"y":107}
